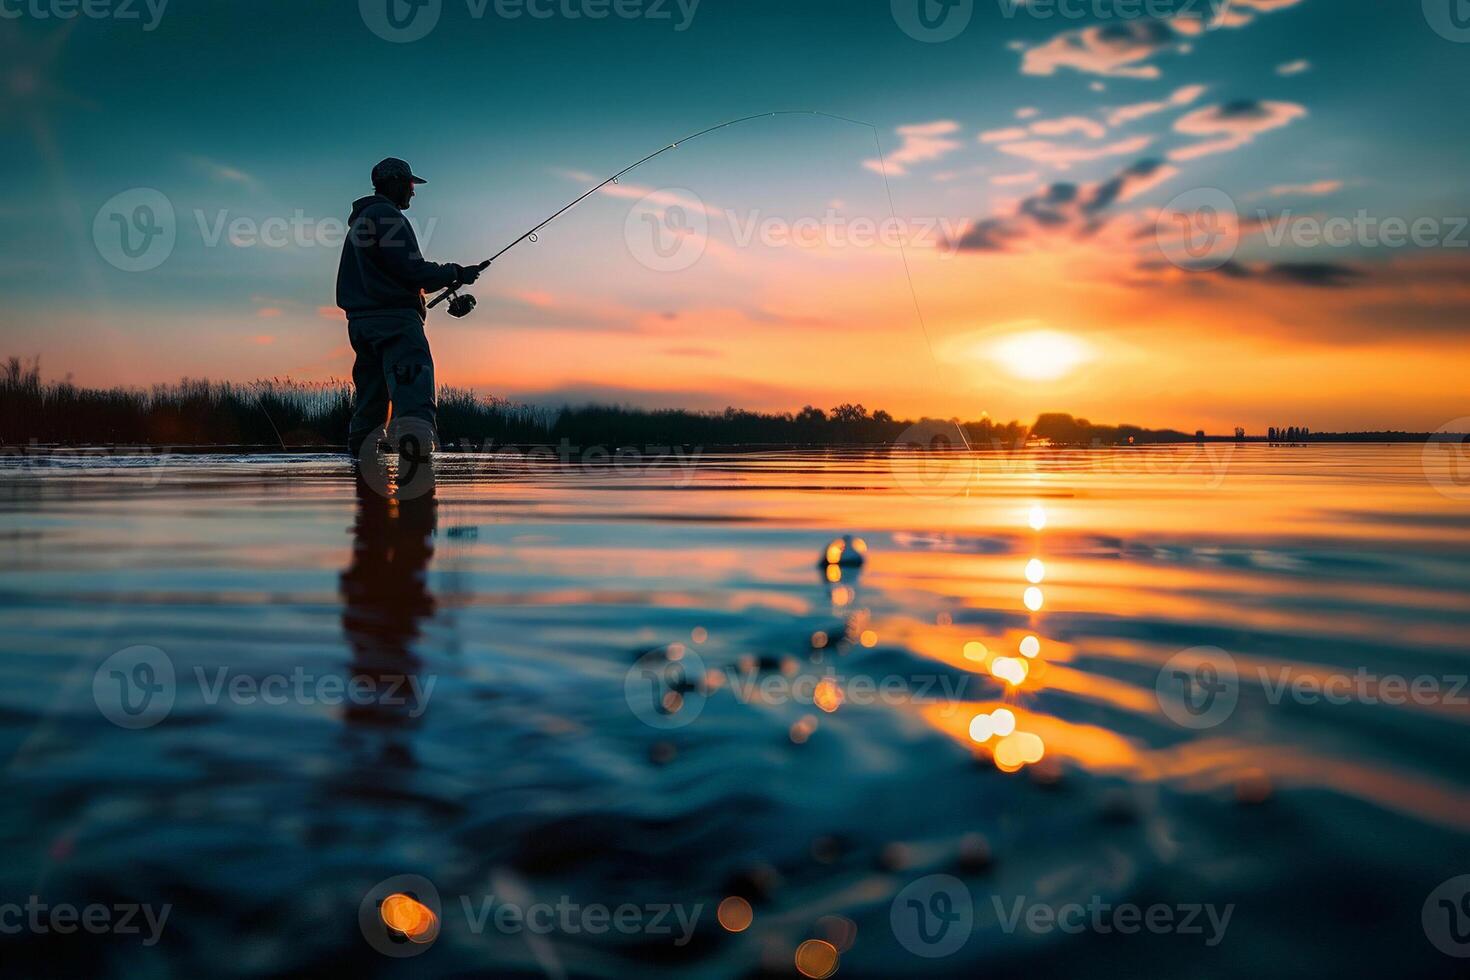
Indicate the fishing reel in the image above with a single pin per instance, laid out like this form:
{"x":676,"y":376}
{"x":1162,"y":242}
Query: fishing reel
{"x":460,"y":304}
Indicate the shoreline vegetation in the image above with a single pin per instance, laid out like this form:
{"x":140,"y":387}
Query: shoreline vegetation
{"x":313,"y":416}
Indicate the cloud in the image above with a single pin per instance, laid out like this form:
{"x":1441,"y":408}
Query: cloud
{"x":1061,"y":156}
{"x":1320,"y":275}
{"x":330,"y":313}
{"x":1294,"y":67}
{"x":1115,"y":49}
{"x":1067,"y":125}
{"x":1063,"y":209}
{"x":1231,"y":125}
{"x":1121,"y":49}
{"x":268,"y":312}
{"x":1004,"y":135}
{"x":1317,"y":188}
{"x":922,"y":142}
{"x":1128,"y":113}
{"x":637,"y":192}
{"x":223,"y":171}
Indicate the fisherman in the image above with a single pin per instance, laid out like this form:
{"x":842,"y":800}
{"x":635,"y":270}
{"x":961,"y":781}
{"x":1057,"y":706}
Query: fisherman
{"x":380,"y":286}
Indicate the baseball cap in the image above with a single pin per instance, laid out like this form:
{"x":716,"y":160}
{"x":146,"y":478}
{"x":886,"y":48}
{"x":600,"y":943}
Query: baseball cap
{"x":391,"y":168}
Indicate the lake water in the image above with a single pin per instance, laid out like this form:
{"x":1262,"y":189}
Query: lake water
{"x":574,"y":708}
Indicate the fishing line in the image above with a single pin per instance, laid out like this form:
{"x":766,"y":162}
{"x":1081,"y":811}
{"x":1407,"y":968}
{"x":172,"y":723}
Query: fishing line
{"x":531,"y":235}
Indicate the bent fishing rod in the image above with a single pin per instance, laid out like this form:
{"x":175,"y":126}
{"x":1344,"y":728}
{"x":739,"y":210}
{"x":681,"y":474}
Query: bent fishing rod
{"x":530,"y":235}
{"x":461,"y":305}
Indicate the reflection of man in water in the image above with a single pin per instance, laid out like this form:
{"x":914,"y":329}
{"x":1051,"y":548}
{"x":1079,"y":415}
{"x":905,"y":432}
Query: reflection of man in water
{"x":385,"y":599}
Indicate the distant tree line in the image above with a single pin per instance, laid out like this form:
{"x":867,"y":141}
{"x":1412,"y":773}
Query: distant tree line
{"x":1290,"y":433}
{"x":303,"y":414}
{"x":1064,"y":430}
{"x":280,"y":411}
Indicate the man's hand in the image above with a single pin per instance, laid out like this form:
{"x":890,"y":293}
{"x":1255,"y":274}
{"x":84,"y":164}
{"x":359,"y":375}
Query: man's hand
{"x":469,"y":273}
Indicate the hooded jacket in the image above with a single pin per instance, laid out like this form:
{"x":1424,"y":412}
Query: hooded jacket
{"x":382,"y":269}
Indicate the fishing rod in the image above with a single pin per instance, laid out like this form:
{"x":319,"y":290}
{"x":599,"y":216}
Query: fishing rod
{"x":461,"y":305}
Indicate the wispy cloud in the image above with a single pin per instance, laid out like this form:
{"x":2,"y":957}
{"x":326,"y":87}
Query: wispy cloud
{"x":1122,"y":115}
{"x":1232,"y":125}
{"x":1317,"y":188}
{"x":1062,"y":155}
{"x":1062,"y":210}
{"x":922,"y":142}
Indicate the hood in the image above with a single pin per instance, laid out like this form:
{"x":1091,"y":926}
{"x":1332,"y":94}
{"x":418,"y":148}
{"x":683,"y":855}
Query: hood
{"x":363,"y":203}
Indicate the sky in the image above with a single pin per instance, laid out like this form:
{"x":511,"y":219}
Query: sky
{"x":1164,"y":212}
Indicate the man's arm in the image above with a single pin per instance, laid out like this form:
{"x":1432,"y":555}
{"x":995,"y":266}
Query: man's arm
{"x":397,"y":251}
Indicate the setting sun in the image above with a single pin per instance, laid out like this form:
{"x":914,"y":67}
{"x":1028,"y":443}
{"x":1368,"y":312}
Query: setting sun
{"x":1040,"y":355}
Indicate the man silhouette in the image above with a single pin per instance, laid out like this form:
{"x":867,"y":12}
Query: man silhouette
{"x":380,"y":286}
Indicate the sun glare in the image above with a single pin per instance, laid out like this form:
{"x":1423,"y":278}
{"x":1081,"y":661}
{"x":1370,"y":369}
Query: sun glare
{"x":1040,"y":355}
